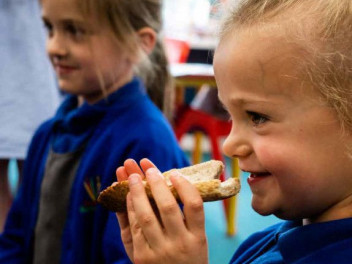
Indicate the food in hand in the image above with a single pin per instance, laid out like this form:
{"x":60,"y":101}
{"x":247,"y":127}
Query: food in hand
{"x":204,"y":176}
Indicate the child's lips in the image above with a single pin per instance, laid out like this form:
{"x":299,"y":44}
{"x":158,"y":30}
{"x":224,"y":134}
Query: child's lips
{"x":259,"y":174}
{"x":255,"y":177}
{"x":64,"y":69}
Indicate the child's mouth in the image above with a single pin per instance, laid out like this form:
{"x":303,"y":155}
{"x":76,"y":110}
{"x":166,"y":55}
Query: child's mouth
{"x":260,"y":174}
{"x":64,"y":69}
{"x":257,"y":176}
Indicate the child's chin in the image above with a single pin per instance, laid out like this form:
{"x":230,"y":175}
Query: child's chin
{"x":262,"y":212}
{"x":69,"y":89}
{"x":260,"y":209}
{"x":66,"y":88}
{"x":266,"y":209}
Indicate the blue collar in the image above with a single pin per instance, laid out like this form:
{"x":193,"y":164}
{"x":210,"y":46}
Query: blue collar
{"x":310,"y":238}
{"x":73,"y":124}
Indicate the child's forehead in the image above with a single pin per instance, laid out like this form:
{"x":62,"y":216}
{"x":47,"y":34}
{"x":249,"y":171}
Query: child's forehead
{"x":62,"y":7}
{"x":256,"y":59}
{"x":68,"y":11}
{"x":260,"y":50}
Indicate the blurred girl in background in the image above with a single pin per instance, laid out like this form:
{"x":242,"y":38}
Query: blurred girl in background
{"x":99,"y":50}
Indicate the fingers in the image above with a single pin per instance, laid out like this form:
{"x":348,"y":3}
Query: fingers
{"x":193,"y":203}
{"x":149,"y":236}
{"x":132,"y":167}
{"x":146,"y":164}
{"x":169,"y":209}
{"x":125,"y":232}
{"x":123,"y":220}
{"x":121,"y":174}
{"x":135,"y":230}
{"x":141,"y":216}
{"x":129,"y":167}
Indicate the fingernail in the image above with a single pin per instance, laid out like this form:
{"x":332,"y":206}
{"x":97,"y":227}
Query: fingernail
{"x":129,"y":161}
{"x":175,"y":174}
{"x":133,"y":179}
{"x":153,"y":173}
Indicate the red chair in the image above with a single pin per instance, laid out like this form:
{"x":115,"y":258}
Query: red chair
{"x":177,"y":50}
{"x":193,"y":120}
{"x":199,"y":123}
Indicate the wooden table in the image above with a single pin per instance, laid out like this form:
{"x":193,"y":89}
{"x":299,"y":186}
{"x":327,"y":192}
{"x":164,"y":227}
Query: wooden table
{"x":191,"y":75}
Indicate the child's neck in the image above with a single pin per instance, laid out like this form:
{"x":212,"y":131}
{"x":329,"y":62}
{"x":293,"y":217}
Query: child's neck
{"x":340,"y":210}
{"x":80,"y":101}
{"x":104,"y":93}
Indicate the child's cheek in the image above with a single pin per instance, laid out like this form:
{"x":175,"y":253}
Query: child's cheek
{"x":275,"y":159}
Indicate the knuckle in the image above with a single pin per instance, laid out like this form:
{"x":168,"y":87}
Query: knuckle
{"x":184,"y":248}
{"x":139,"y":260}
{"x":169,"y":208}
{"x":191,"y":243}
{"x":201,"y":240}
{"x":143,"y":258}
{"x":127,"y":240}
{"x":169,"y":250}
{"x":195,"y":205}
{"x":146,"y":220}
{"x":126,"y":236}
{"x":135,"y":228}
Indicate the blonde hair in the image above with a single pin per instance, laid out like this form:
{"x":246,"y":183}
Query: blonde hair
{"x":125,"y":18}
{"x":328,"y":41}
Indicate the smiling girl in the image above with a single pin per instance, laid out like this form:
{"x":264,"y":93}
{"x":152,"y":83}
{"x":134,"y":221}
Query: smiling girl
{"x":100,"y":51}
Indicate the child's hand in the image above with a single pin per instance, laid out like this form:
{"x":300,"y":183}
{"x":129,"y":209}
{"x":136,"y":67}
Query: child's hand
{"x":122,"y":173}
{"x":176,"y":238}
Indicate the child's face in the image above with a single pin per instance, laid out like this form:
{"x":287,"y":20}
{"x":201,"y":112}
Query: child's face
{"x":283,"y":133}
{"x":83,"y":52}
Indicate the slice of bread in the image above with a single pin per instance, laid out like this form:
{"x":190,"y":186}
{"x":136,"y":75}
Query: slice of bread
{"x":204,"y":176}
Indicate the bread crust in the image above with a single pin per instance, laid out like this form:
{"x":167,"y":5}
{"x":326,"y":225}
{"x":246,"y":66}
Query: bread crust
{"x":204,"y":176}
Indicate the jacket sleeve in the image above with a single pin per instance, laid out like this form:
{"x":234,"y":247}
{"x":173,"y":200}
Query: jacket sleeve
{"x":15,"y":241}
{"x":12,"y":240}
{"x":114,"y":250}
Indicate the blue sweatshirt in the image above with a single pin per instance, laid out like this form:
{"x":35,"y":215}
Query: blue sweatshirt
{"x":125,"y":125}
{"x":290,"y":242}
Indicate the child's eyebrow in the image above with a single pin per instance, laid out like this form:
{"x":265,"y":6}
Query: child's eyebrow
{"x":66,"y":21}
{"x":73,"y":22}
{"x":243,"y":102}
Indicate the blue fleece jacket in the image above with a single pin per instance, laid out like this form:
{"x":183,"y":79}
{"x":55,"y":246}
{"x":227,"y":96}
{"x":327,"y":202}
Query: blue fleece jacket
{"x":290,"y":242}
{"x":125,"y":125}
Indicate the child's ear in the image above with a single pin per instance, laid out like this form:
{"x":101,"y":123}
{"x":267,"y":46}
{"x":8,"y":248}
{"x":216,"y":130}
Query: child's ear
{"x":147,"y":37}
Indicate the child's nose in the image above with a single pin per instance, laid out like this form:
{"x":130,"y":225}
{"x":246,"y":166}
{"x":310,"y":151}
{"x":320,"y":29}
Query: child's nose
{"x":237,"y":144}
{"x":56,"y":46}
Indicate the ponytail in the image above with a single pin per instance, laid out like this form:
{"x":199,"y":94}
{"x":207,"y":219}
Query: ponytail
{"x":157,"y":78}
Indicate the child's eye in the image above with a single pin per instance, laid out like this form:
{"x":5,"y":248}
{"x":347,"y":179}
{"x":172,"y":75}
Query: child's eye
{"x":48,"y":27}
{"x":257,"y":118}
{"x":74,"y":31}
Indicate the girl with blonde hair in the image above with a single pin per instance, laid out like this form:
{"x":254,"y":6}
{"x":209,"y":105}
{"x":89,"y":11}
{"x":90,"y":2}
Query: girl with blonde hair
{"x":104,"y":54}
